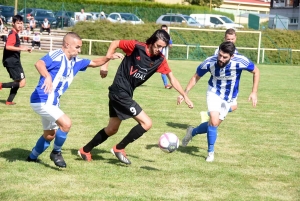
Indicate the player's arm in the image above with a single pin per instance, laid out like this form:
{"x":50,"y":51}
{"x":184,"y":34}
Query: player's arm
{"x":190,"y":85}
{"x":41,"y":68}
{"x":253,"y":95}
{"x":20,"y":48}
{"x":175,"y":83}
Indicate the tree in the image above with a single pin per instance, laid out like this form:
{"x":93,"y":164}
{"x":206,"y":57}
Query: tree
{"x":214,"y":3}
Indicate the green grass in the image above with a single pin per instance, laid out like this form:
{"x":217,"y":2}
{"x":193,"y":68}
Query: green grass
{"x":257,"y":151}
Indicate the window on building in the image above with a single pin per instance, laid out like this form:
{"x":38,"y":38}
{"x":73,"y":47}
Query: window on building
{"x":293,"y":21}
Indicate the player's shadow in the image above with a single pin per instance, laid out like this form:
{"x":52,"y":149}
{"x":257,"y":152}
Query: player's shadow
{"x":17,"y":154}
{"x":191,"y":150}
{"x":177,"y":125}
{"x":3,"y":101}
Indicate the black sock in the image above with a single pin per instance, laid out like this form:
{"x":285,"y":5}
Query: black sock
{"x":135,"y":133}
{"x":100,"y":137}
{"x":7,"y":85}
{"x":13,"y":91}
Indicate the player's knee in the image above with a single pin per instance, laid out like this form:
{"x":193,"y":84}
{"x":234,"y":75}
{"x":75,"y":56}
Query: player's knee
{"x":111,"y":131}
{"x":22,"y":83}
{"x":147,"y":124}
{"x":66,"y":126}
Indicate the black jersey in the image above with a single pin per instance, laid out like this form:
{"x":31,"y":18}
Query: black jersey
{"x":137,"y":67}
{"x":11,"y":58}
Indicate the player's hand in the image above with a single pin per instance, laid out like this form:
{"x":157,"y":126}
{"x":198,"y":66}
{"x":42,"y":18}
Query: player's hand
{"x":179,"y":99}
{"x":29,"y":49}
{"x":117,"y":55}
{"x":47,"y":86}
{"x":188,"y":102}
{"x":103,"y":71}
{"x":253,"y":97}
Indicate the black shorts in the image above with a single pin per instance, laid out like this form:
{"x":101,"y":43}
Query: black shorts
{"x":16,"y":72}
{"x":122,"y":106}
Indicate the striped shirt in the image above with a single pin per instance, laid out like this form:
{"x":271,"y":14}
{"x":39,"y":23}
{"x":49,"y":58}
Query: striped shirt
{"x":225,"y":81}
{"x":62,"y":72}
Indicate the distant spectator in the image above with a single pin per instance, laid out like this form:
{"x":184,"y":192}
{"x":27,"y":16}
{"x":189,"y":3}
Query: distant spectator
{"x":81,"y":16}
{"x":26,"y":34}
{"x":32,"y":24}
{"x":4,"y":36}
{"x":45,"y":26}
{"x":102,"y":15}
{"x":36,"y":40}
{"x":1,"y":25}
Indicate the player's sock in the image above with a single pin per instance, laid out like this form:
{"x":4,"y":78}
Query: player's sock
{"x":133,"y":135}
{"x":8,"y":84}
{"x":41,"y":145}
{"x":212,"y":133}
{"x":201,"y":129}
{"x":164,"y":78}
{"x":99,"y":138}
{"x":230,"y":110}
{"x":13,"y":91}
{"x":60,"y":138}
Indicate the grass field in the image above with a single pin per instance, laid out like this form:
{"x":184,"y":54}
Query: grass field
{"x":257,"y":151}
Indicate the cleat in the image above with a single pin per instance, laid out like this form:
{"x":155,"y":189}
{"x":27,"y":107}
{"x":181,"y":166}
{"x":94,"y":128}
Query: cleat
{"x":0,"y":85}
{"x":204,"y":116}
{"x":168,"y":86}
{"x":120,"y":154}
{"x":10,"y":103}
{"x":32,"y":160}
{"x":188,"y":136}
{"x":210,"y":157}
{"x":85,"y":156}
{"x":58,"y":159}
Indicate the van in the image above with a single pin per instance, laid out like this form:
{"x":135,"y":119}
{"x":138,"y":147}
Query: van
{"x":216,"y":21}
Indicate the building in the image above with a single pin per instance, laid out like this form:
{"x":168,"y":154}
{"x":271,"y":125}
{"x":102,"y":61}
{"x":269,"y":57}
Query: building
{"x":289,"y":9}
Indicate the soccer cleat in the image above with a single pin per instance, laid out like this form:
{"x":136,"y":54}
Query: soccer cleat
{"x":58,"y":159}
{"x":210,"y":157}
{"x":188,"y":136}
{"x":32,"y":160}
{"x":204,"y":116}
{"x":120,"y":154}
{"x":10,"y":103}
{"x":85,"y":156}
{"x":0,"y":85}
{"x":168,"y":86}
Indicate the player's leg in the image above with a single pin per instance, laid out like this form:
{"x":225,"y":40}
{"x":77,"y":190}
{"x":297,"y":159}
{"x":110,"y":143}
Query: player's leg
{"x":165,"y":81}
{"x":111,"y":129}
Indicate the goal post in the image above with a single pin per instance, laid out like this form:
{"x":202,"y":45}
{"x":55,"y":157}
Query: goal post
{"x":206,"y":44}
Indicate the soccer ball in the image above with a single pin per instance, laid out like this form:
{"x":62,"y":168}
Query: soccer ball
{"x":168,"y":142}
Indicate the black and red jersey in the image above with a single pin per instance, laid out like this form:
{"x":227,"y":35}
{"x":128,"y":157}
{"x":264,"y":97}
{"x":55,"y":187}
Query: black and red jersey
{"x":137,"y":67}
{"x":11,"y":58}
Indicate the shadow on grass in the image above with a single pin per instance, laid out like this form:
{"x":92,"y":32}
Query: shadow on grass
{"x":3,"y":101}
{"x":177,"y":125}
{"x":17,"y":154}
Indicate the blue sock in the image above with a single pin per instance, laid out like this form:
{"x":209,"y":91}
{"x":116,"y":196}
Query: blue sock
{"x":41,"y":145}
{"x":212,"y":133}
{"x":202,"y":128}
{"x":164,"y":78}
{"x":230,"y":110}
{"x":60,"y":139}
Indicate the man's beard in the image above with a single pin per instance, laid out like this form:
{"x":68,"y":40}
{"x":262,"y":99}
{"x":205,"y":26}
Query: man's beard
{"x":222,"y":64}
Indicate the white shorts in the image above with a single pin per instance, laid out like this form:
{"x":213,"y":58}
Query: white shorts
{"x":49,"y":114}
{"x":217,"y":104}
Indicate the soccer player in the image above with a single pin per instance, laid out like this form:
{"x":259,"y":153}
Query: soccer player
{"x":142,"y":60}
{"x":230,"y":36}
{"x":223,"y":85}
{"x":11,"y":60}
{"x":57,"y":70}
{"x":164,"y":51}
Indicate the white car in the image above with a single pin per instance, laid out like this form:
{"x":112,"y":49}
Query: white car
{"x":124,"y":18}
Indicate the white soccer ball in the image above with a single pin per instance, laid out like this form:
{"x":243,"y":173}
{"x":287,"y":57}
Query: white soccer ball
{"x":168,"y":142}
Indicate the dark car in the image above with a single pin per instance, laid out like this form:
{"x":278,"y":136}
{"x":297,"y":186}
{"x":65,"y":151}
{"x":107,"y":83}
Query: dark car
{"x":40,"y":14}
{"x":7,"y":12}
{"x":64,"y":18}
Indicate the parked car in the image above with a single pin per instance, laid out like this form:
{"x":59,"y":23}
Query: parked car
{"x":215,"y":21}
{"x":64,"y":18}
{"x":40,"y":14}
{"x":7,"y":12}
{"x":89,"y":17}
{"x":173,"y":19}
{"x":124,"y":18}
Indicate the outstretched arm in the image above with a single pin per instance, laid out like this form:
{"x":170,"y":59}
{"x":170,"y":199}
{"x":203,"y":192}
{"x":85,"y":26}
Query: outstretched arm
{"x":175,"y":83}
{"x":253,"y":95}
{"x":190,"y":85}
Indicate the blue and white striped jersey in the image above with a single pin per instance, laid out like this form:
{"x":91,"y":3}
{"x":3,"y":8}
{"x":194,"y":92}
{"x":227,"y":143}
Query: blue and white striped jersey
{"x":62,"y":72}
{"x":225,"y":81}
